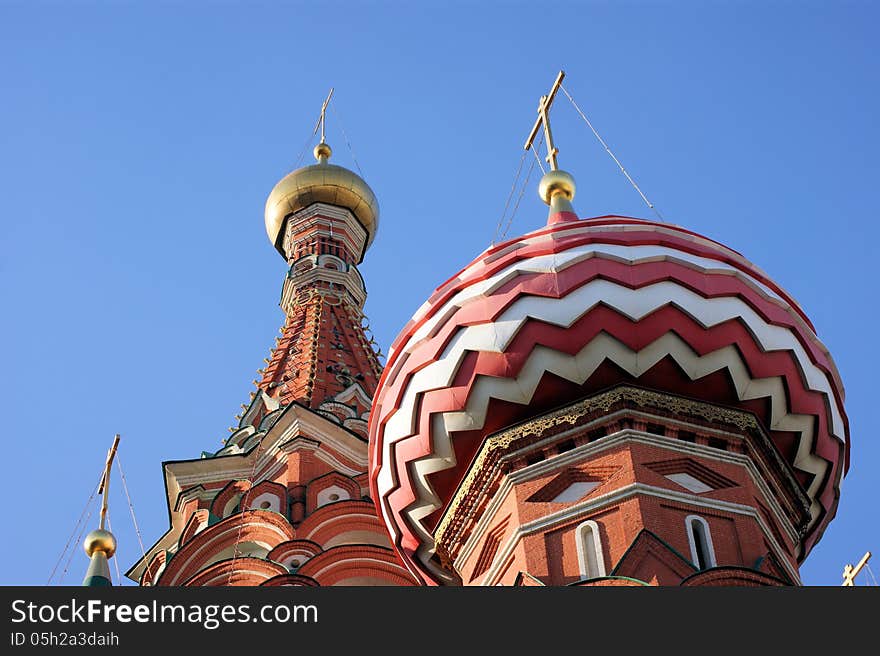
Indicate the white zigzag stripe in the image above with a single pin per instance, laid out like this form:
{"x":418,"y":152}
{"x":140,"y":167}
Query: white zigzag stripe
{"x":560,"y":261}
{"x":495,"y":337}
{"x":635,"y":303}
{"x":577,"y":369}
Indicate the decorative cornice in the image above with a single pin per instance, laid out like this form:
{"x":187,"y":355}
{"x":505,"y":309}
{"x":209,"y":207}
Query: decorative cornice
{"x":573,"y":414}
{"x":318,"y":215}
{"x":623,"y":493}
{"x":299,"y":282}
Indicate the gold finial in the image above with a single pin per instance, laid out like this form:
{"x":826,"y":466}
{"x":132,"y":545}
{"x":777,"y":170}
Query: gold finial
{"x":556,"y":187}
{"x":322,"y":150}
{"x":850,"y":572}
{"x":100,"y":545}
{"x":544,"y":119}
{"x":100,"y":540}
{"x":320,"y":183}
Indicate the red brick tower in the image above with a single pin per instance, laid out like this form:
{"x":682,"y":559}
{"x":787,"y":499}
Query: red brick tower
{"x":285,"y":502}
{"x":609,"y":401}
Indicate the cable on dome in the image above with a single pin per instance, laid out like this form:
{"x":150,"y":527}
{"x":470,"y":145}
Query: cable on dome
{"x":73,"y":532}
{"x":870,"y":571}
{"x":305,"y":148}
{"x":608,"y":150}
{"x":137,"y":530}
{"x":519,"y":198}
{"x":522,"y":160}
{"x":79,"y":539}
{"x":347,"y":142}
{"x":115,"y":560}
{"x":537,"y":157}
{"x":503,"y":233}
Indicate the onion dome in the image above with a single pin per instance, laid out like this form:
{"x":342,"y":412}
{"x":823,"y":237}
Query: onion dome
{"x":320,"y":183}
{"x":577,"y":307}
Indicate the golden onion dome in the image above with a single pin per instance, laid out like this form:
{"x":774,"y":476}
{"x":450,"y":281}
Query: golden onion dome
{"x":321,"y":183}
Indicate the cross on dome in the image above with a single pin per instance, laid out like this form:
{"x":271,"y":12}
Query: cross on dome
{"x":544,"y":119}
{"x":557,"y":187}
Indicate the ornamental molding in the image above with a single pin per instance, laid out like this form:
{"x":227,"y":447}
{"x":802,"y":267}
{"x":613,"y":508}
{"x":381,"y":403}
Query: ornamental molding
{"x":300,"y":282}
{"x":572,"y":415}
{"x":296,"y":424}
{"x":320,"y":217}
{"x":607,"y":443}
{"x":500,"y":450}
{"x":573,"y":512}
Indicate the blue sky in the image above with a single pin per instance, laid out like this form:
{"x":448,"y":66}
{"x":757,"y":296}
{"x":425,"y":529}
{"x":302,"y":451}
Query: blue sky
{"x":138,"y":143}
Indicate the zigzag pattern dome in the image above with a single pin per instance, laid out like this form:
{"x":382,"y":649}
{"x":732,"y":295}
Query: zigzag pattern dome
{"x":578,"y":307}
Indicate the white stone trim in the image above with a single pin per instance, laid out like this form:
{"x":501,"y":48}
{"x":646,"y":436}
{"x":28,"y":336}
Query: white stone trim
{"x":620,"y":495}
{"x":594,"y":548}
{"x":354,"y":392}
{"x":350,"y":280}
{"x":577,"y":369}
{"x":614,"y":441}
{"x":689,"y":522}
{"x":689,"y":482}
{"x":274,"y":500}
{"x":296,"y":428}
{"x":323,"y":497}
{"x":320,"y":216}
{"x":575,"y":491}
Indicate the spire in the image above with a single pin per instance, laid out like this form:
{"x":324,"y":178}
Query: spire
{"x":322,"y":218}
{"x":557,"y":187}
{"x":100,"y":545}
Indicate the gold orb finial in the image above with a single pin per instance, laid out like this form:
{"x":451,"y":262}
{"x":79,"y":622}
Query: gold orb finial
{"x":322,"y":152}
{"x":100,"y":540}
{"x":557,"y":190}
{"x":556,"y":183}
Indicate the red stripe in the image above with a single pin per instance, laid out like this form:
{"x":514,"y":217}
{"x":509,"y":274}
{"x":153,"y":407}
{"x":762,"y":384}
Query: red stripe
{"x":762,"y":364}
{"x":559,"y":243}
{"x":556,"y":285}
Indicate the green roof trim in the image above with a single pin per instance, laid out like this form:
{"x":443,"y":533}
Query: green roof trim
{"x":611,"y":578}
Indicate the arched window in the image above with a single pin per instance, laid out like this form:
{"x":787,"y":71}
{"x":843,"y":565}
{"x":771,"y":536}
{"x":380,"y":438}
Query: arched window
{"x":700,"y":539}
{"x":589,"y":547}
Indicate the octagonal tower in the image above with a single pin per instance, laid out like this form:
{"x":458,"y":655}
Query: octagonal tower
{"x":286,"y":500}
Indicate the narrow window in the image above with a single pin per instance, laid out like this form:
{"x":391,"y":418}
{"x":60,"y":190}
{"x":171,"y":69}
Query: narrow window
{"x":589,"y":547}
{"x":700,"y":539}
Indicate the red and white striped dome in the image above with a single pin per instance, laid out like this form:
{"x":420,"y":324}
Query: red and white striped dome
{"x":577,"y":307}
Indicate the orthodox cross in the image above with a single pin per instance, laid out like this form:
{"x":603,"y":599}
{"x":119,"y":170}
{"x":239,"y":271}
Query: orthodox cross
{"x":544,"y":119}
{"x":320,"y":123}
{"x":104,"y":487}
{"x":849,"y":572}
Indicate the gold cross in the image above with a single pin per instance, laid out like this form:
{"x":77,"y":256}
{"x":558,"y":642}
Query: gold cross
{"x":850,"y":572}
{"x":320,"y":122}
{"x":104,"y":487}
{"x":544,"y":118}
